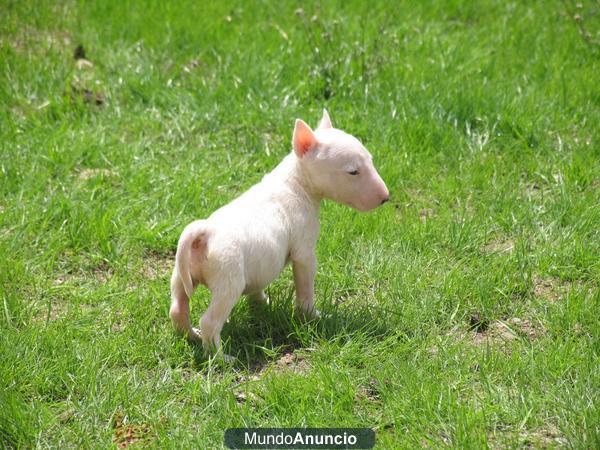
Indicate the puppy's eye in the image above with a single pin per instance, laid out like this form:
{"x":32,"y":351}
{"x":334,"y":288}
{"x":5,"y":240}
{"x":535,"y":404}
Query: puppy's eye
{"x":353,"y":172}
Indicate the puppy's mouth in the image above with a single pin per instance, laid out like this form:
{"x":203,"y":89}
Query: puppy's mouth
{"x":354,"y":206}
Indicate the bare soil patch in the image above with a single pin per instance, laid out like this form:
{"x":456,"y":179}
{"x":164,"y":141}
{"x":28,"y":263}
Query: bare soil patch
{"x":545,"y":437}
{"x":289,"y":361}
{"x":57,"y":310}
{"x":426,"y":213}
{"x":369,"y":391}
{"x":500,"y":332}
{"x":157,"y":266}
{"x":86,"y":174}
{"x":553,"y":289}
{"x":498,"y":245}
{"x":126,"y":434}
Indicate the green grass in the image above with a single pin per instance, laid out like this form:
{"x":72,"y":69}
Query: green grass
{"x":483,"y":118}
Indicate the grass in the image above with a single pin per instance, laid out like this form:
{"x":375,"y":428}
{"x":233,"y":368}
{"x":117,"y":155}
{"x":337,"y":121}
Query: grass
{"x":464,"y":312}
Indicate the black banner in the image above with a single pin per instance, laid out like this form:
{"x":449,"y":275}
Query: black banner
{"x":301,"y":438}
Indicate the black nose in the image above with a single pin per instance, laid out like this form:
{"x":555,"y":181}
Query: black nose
{"x":384,"y":200}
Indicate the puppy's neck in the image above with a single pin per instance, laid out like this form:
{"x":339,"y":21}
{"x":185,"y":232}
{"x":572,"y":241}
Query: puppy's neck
{"x":291,"y":173}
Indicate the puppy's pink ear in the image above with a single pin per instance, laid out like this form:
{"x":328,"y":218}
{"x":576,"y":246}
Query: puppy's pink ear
{"x":325,"y":120}
{"x":304,"y":139}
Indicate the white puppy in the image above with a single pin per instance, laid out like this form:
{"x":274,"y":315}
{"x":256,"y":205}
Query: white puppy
{"x":245,"y":245}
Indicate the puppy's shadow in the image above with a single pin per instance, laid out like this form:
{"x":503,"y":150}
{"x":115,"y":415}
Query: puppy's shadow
{"x":257,"y":332}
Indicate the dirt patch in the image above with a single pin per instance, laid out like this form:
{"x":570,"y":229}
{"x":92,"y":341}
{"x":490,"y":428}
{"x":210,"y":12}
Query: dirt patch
{"x":552,"y":289}
{"x":157,"y":267}
{"x":545,"y":288}
{"x":157,"y":263}
{"x":433,"y":438}
{"x":86,"y":174}
{"x":288,"y":361}
{"x":66,"y":416}
{"x":545,"y":437}
{"x":368,"y":391}
{"x":127,"y":434}
{"x":30,"y":40}
{"x":500,"y":332}
{"x":498,"y":245}
{"x":425,"y":214}
{"x":83,"y":64}
{"x":527,"y":328}
{"x":57,"y":310}
{"x":245,"y":396}
{"x":532,"y":191}
{"x":192,"y":65}
{"x":85,"y":81}
{"x":87,"y":95}
{"x":292,"y":361}
{"x":495,"y":333}
{"x":65,"y":278}
{"x":51,"y":312}
{"x":101,"y":274}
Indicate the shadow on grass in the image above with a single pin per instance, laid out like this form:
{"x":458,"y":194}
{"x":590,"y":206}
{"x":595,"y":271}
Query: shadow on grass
{"x":257,"y":334}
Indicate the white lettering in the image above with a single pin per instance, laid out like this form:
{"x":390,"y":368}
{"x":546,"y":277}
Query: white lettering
{"x":298,"y":439}
{"x":249,"y":440}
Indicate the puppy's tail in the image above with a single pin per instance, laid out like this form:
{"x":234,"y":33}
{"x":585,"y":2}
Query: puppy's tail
{"x":193,"y":243}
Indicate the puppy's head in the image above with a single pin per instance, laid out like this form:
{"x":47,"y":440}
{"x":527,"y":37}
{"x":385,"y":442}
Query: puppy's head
{"x":338,"y":166}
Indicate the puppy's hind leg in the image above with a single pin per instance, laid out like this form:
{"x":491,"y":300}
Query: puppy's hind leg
{"x":224,"y":298}
{"x":191,"y":254}
{"x":180,"y":309}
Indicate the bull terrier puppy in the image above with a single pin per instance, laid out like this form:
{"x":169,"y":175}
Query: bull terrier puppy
{"x":245,"y":245}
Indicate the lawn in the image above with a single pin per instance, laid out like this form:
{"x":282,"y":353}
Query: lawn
{"x":464,"y":313}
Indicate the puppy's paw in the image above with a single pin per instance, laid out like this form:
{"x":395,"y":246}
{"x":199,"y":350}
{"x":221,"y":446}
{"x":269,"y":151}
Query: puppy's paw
{"x":194,"y":335}
{"x":314,"y":314}
{"x":260,"y":298}
{"x":309,"y":314}
{"x":229,"y":359}
{"x":220,"y":357}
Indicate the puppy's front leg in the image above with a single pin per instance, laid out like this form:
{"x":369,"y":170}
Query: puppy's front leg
{"x":305,"y":269}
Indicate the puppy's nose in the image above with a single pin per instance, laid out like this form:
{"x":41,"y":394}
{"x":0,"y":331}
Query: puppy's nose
{"x":384,"y":200}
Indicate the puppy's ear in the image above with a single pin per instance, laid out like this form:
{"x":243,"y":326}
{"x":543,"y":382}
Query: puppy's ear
{"x":304,"y":139}
{"x":325,"y":121}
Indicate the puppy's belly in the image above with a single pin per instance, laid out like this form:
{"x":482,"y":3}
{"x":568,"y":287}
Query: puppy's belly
{"x":262,"y":269}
